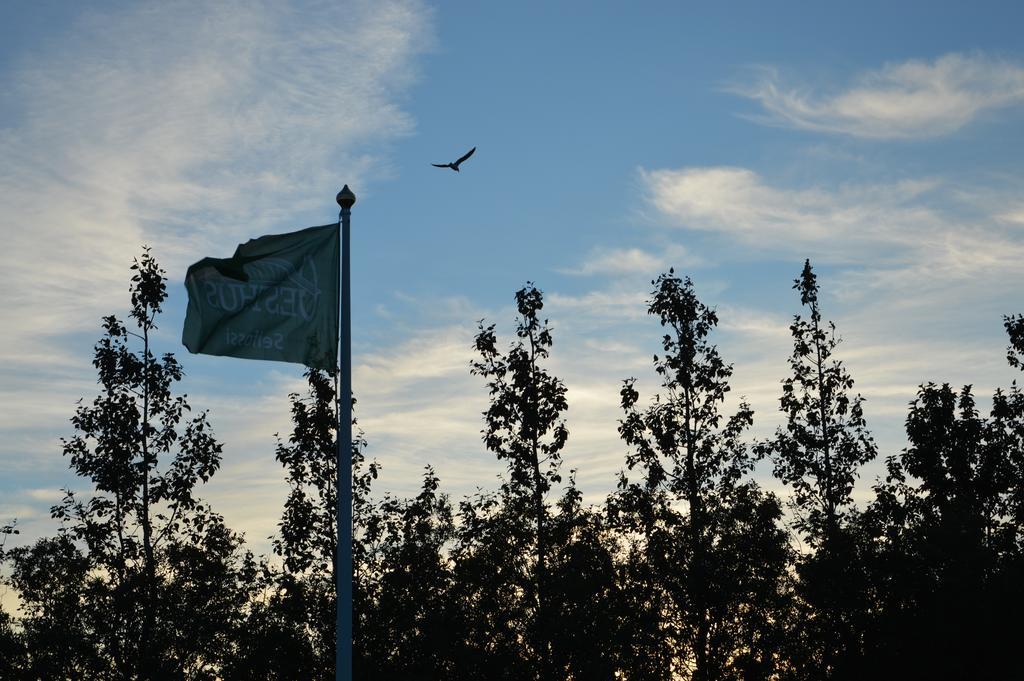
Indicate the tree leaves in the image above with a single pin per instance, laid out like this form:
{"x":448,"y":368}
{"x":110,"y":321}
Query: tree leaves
{"x":685,"y":571}
{"x":125,"y":603}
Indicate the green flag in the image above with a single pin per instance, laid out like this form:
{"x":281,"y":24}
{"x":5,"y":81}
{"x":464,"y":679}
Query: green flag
{"x":276,"y":298}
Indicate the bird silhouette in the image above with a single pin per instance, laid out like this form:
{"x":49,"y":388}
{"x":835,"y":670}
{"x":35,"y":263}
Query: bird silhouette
{"x":455,"y":166}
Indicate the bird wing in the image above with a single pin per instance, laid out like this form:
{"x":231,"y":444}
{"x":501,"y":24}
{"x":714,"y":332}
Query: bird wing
{"x":439,"y":165}
{"x":468,"y":154}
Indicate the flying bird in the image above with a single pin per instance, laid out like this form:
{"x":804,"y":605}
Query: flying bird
{"x":455,"y":166}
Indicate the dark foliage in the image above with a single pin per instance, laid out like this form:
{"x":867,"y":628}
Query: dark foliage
{"x":825,"y":440}
{"x":685,"y":572}
{"x":702,"y":536}
{"x":143,"y":579}
{"x":947,"y":537}
{"x":818,"y":454}
{"x":291,"y":622}
{"x":1015,"y":351}
{"x":524,"y":427}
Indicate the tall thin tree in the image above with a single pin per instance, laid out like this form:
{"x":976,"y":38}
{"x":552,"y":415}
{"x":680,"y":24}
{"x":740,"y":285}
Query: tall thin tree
{"x":524,"y":427}
{"x":825,"y":440}
{"x":152,"y":582}
{"x":818,"y":453}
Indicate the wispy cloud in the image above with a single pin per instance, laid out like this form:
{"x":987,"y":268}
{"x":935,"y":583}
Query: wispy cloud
{"x":924,"y":229}
{"x":141,"y":124}
{"x":739,"y":202}
{"x":126,"y":136}
{"x":911,"y":99}
{"x":1014,"y":215}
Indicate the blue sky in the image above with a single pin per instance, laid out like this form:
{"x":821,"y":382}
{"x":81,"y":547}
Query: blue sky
{"x":614,"y":141}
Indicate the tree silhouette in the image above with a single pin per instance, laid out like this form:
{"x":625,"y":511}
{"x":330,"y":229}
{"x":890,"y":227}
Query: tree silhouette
{"x":13,"y":655}
{"x":825,"y":440}
{"x":524,"y":427}
{"x":718,"y":569}
{"x":493,"y":587}
{"x":307,"y":536}
{"x":686,"y":571}
{"x":291,"y":622}
{"x":587,"y":606}
{"x":408,"y":624}
{"x":1015,"y":351}
{"x":291,"y":625}
{"x":948,"y":561}
{"x":818,"y":454}
{"x":1008,"y":410}
{"x":143,"y":580}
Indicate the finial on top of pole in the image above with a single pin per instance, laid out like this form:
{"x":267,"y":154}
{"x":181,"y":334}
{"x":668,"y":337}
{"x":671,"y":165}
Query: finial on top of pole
{"x":345,"y":198}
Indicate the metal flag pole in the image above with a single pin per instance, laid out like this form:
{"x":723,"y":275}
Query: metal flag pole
{"x":343,"y":573}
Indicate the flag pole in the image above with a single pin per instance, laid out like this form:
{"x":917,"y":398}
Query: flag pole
{"x":343,"y":573}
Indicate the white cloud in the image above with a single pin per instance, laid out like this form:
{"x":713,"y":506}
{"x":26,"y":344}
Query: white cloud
{"x":911,"y":99}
